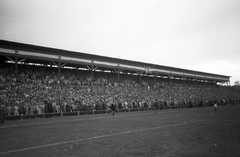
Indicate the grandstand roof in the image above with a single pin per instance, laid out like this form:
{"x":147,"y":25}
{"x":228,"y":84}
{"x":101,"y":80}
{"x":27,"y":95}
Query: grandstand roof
{"x":40,"y":54}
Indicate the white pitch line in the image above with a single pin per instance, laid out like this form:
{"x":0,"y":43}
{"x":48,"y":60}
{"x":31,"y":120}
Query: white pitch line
{"x":96,"y":137}
{"x":95,"y":118}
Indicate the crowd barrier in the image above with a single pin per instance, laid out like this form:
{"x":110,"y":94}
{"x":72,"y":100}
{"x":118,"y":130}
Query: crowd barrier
{"x":89,"y":112}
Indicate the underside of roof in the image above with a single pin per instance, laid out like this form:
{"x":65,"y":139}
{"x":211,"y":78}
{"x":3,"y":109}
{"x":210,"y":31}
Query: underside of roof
{"x":46,"y":56}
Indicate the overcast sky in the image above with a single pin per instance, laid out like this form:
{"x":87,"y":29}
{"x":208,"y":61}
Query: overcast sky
{"x":202,"y":35}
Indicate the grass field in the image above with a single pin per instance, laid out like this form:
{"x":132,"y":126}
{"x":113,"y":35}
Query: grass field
{"x":172,"y":132}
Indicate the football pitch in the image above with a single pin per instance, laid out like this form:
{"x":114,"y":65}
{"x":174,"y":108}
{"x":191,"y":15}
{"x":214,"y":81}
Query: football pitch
{"x":171,"y":132}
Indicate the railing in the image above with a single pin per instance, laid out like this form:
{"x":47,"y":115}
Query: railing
{"x":89,"y":112}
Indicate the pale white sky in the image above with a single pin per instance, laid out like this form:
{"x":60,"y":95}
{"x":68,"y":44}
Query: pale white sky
{"x":202,"y":35}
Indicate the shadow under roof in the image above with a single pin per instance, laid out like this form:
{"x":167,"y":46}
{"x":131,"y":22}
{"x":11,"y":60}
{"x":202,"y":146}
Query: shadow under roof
{"x":46,"y":54}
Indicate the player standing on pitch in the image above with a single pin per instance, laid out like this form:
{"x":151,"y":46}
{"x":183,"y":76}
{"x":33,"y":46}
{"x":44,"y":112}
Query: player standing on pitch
{"x":113,"y":107}
{"x":215,"y":105}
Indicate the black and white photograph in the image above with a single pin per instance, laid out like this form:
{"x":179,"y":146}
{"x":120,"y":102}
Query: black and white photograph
{"x":119,"y":78}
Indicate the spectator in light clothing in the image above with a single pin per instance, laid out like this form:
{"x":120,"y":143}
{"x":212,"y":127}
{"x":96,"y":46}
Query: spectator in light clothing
{"x":16,"y":110}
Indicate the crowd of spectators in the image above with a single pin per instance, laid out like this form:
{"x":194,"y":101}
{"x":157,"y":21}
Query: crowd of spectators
{"x":37,"y":90}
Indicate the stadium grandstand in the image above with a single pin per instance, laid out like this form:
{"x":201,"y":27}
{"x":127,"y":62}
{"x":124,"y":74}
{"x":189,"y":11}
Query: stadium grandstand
{"x":37,"y":80}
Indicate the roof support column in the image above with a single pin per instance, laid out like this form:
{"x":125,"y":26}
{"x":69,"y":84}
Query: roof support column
{"x":195,"y":79}
{"x":140,"y":77}
{"x":170,"y":78}
{"x":155,"y":77}
{"x":59,"y":65}
{"x":16,"y":62}
{"x":205,"y":81}
{"x":184,"y":79}
{"x":59,"y":69}
{"x":16,"y":66}
{"x":92,"y":68}
{"x":118,"y":71}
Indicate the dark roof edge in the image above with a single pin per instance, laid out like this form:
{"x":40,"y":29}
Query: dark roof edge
{"x":68,"y":53}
